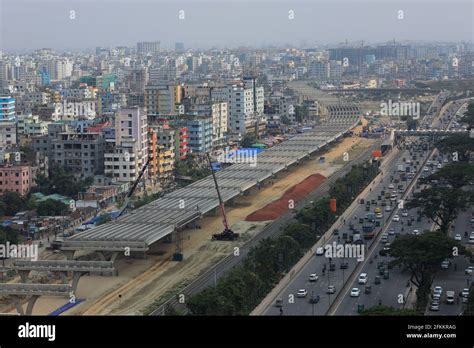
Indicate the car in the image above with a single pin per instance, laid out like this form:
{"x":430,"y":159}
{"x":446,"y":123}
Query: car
{"x":363,"y":278}
{"x":391,"y":186}
{"x":391,"y":231}
{"x":472,"y":220}
{"x":426,"y":169}
{"x":314,"y":298}
{"x":378,"y":215}
{"x":416,"y":232}
{"x":458,"y":237}
{"x":388,"y":208}
{"x":436,"y":297}
{"x":445,"y":264}
{"x":439,"y":166}
{"x":396,"y":218}
{"x":469,"y":270}
{"x":355,"y":292}
{"x":331,"y":289}
{"x":384,"y":238}
{"x":465,"y":292}
{"x":313,"y":277}
{"x":302,"y":293}
{"x":404,"y":213}
{"x":438,"y":290}
{"x":434,"y":306}
{"x":320,"y":251}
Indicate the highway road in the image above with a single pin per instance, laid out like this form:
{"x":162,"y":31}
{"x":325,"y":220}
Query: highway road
{"x":390,"y":291}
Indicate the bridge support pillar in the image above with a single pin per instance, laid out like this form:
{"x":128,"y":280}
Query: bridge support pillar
{"x":19,"y":307}
{"x":69,"y":254}
{"x":76,"y":275}
{"x":24,"y":275}
{"x":63,"y":276}
{"x":114,"y":256}
{"x":31,"y":304}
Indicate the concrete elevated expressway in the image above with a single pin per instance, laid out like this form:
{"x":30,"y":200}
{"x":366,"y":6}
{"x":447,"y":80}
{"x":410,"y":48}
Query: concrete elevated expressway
{"x":34,"y":291}
{"x":177,"y":210}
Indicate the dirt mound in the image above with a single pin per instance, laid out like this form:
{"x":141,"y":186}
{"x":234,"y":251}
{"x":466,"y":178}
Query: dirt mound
{"x":296,"y":193}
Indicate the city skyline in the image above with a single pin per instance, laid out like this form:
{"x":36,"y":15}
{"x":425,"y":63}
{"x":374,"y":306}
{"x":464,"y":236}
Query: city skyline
{"x":302,"y":24}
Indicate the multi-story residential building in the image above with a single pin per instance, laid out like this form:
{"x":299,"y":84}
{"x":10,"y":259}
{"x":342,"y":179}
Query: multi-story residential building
{"x":218,"y":111}
{"x":181,"y":143}
{"x":199,"y":132}
{"x":7,"y":108}
{"x":162,"y":140}
{"x":19,"y":179}
{"x":31,"y":126}
{"x":8,"y":135}
{"x":81,"y":153}
{"x":130,"y":153}
{"x":163,"y":99}
{"x":319,"y":70}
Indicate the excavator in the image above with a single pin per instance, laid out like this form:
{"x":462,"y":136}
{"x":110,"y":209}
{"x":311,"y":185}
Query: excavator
{"x":227,"y":234}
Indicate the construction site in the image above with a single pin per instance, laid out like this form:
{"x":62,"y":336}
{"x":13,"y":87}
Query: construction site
{"x":149,"y":254}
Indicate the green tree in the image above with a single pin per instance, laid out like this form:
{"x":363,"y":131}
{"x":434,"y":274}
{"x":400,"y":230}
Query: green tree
{"x":387,"y":311}
{"x":8,"y":235}
{"x":460,"y":143}
{"x":421,"y":255}
{"x":454,"y":174}
{"x":51,"y":207}
{"x":13,"y":202}
{"x":468,"y":116}
{"x":247,"y":140}
{"x":62,"y":182}
{"x":441,"y":204}
{"x":302,"y":234}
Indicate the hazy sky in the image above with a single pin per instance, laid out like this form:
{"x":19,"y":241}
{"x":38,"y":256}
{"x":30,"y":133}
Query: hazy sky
{"x":26,"y":25}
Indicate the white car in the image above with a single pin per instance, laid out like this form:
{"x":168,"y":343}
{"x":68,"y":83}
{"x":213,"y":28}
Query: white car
{"x":439,"y":166}
{"x":363,"y":277}
{"x":391,"y":186}
{"x":416,"y":232}
{"x":404,"y":213}
{"x":445,"y":264}
{"x":465,"y":292}
{"x":379,"y":215}
{"x":313,"y":277}
{"x":469,"y":270}
{"x":302,"y":293}
{"x":438,"y":290}
{"x":391,"y":231}
{"x":320,"y":251}
{"x":396,"y":218}
{"x":426,"y":169}
{"x":458,"y":237}
{"x":388,"y":208}
{"x":355,"y":292}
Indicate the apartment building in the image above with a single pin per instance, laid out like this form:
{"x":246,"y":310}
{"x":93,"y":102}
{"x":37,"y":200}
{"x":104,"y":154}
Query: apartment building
{"x":19,"y":179}
{"x":163,"y":99}
{"x":125,"y":160}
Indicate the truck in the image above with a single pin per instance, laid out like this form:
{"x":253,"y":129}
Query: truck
{"x":450,"y":297}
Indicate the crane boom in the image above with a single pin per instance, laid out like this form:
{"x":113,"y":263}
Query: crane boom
{"x":134,"y":186}
{"x":221,"y":203}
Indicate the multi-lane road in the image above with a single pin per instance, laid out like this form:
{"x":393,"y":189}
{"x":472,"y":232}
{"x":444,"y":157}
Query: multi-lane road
{"x":395,"y":289}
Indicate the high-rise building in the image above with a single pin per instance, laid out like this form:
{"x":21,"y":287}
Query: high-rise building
{"x":130,"y":153}
{"x":148,"y":47}
{"x":7,"y":108}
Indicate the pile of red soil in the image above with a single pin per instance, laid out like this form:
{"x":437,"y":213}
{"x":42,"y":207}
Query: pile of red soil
{"x":296,"y":193}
